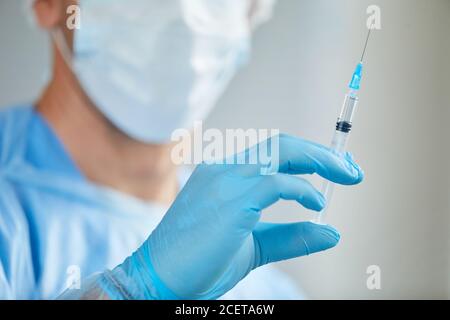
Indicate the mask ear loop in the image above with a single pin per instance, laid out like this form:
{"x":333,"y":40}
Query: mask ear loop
{"x":56,"y":35}
{"x":62,"y":46}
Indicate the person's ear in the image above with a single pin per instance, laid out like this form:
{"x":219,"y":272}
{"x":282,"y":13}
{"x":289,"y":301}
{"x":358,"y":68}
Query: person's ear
{"x":49,"y":13}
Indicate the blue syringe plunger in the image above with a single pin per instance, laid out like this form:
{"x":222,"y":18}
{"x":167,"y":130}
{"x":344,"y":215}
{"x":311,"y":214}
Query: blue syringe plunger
{"x":356,"y":78}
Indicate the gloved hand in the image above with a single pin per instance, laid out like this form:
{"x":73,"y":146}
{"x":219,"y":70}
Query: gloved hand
{"x":211,"y":236}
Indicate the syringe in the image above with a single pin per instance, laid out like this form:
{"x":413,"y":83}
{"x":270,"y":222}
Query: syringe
{"x":343,"y":127}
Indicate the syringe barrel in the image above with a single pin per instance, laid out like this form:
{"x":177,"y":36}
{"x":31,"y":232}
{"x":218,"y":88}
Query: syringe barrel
{"x":338,"y":145}
{"x":339,"y":142}
{"x":344,"y":122}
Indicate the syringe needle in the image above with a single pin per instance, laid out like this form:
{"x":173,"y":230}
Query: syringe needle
{"x":365,"y":45}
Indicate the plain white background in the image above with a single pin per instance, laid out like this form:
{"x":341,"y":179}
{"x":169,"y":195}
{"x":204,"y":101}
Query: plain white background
{"x":302,"y":61}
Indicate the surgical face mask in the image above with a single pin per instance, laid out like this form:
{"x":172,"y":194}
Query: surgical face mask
{"x":152,"y":66}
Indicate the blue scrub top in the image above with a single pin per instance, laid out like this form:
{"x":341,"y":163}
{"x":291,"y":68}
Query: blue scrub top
{"x":57,"y":227}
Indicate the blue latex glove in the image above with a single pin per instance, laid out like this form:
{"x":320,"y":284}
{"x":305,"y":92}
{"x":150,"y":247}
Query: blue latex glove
{"x":211,"y":236}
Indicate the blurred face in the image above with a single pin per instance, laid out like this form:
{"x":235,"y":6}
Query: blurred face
{"x":51,"y":13}
{"x":153,"y":66}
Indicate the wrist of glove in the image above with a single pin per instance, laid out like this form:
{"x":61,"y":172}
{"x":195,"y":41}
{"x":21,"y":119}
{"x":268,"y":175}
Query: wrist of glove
{"x":135,"y":279}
